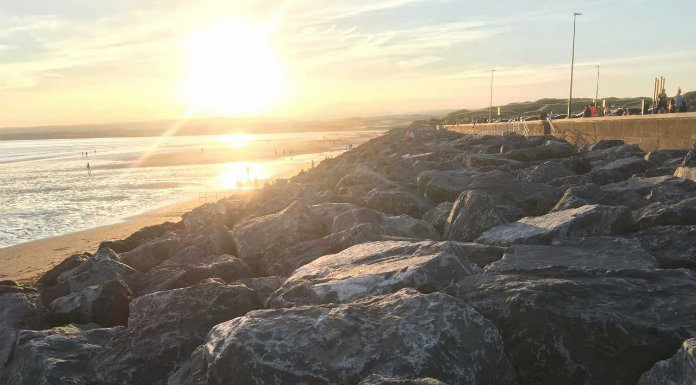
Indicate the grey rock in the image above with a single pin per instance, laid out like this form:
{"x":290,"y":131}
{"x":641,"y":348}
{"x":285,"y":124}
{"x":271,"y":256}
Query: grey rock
{"x":19,"y":311}
{"x":549,"y":150}
{"x":222,"y":213}
{"x":105,"y":304}
{"x":283,"y":263}
{"x":590,"y":193}
{"x":667,"y":213}
{"x":262,"y":286}
{"x":659,"y":157}
{"x":690,"y":158}
{"x":398,"y":226}
{"x":484,"y":160}
{"x":297,"y":223}
{"x":686,"y":172}
{"x":654,"y":189}
{"x":438,"y":215}
{"x":585,"y":221}
{"x":398,"y":201}
{"x":165,"y":327}
{"x":151,"y":254}
{"x":444,"y":186}
{"x":50,"y":278}
{"x":679,"y":369}
{"x":58,"y":356}
{"x":548,"y":172}
{"x":604,"y":144}
{"x":327,"y":212}
{"x":406,"y":334}
{"x":473,"y":213}
{"x":598,"y":254}
{"x":363,"y":176}
{"x":630,"y":165}
{"x":376,"y":379}
{"x":188,"y":267}
{"x":376,"y":268}
{"x":587,"y":328}
{"x":673,"y":246}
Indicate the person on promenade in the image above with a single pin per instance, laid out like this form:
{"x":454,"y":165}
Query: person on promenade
{"x":662,"y":101}
{"x":670,"y":106}
{"x":679,"y":101}
{"x":586,"y":113}
{"x":593,"y":110}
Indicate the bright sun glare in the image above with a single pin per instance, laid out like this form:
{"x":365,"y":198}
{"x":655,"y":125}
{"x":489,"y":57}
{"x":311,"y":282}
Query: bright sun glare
{"x":233,"y":69}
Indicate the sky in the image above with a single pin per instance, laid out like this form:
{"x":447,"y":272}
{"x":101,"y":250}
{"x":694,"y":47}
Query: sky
{"x":98,"y":61}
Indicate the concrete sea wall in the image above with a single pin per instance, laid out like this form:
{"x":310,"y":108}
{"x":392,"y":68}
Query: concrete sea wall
{"x":650,"y":132}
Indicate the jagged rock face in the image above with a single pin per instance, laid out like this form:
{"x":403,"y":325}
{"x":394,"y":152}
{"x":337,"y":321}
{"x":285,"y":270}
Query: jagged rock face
{"x":58,"y":356}
{"x":297,"y":223}
{"x":213,"y":239}
{"x":151,"y":254}
{"x":223,"y":213}
{"x":590,"y":193}
{"x":165,"y":327}
{"x":398,"y":226}
{"x":591,"y":254}
{"x":406,"y":335}
{"x":673,"y":246}
{"x":103,"y":267}
{"x":105,"y":305}
{"x":586,"y":328}
{"x":326,"y":212}
{"x":549,"y":150}
{"x":629,"y":165}
{"x":296,"y":256}
{"x":50,"y":278}
{"x":690,"y":158}
{"x":604,"y":144}
{"x":679,"y":369}
{"x":548,"y":172}
{"x":444,"y":186}
{"x":363,"y":177}
{"x":590,"y":220}
{"x":142,"y":236}
{"x":602,"y":156}
{"x":19,"y":311}
{"x":376,"y":379}
{"x":262,"y":286}
{"x":485,"y":160}
{"x":398,"y":201}
{"x":438,"y":215}
{"x":655,"y":189}
{"x":660,"y":157}
{"x":188,"y":267}
{"x":377,"y":268}
{"x":473,"y":213}
{"x":666,"y":213}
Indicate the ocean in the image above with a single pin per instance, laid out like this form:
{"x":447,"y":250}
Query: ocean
{"x":46,"y":189}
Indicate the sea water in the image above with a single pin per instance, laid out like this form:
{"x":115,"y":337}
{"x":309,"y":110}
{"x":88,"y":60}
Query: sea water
{"x":46,"y":190}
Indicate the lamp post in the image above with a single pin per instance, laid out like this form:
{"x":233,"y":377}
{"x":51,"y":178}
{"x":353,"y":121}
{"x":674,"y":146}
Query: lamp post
{"x":572,"y":64}
{"x":490,"y":106}
{"x":596,"y":95}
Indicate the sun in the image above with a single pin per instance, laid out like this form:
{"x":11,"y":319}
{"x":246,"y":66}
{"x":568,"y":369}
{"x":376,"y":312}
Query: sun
{"x":233,"y":69}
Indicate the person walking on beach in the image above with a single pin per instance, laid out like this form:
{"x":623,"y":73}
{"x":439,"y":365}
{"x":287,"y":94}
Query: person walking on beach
{"x":89,"y":170}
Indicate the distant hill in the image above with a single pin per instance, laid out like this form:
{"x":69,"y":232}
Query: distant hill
{"x":557,"y":106}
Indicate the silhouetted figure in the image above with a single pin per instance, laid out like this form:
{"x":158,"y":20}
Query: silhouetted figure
{"x":89,"y":170}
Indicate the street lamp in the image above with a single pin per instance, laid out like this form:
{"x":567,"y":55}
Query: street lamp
{"x":572,"y":64}
{"x":596,"y":95}
{"x":490,"y":106}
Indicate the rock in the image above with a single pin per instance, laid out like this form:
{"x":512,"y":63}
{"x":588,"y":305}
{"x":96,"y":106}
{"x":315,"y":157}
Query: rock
{"x":602,"y":176}
{"x":443,"y":186}
{"x":654,"y":189}
{"x":214,"y":239}
{"x":659,"y":157}
{"x":263,"y":286}
{"x":665,"y":214}
{"x":629,"y":166}
{"x":105,"y":304}
{"x":9,"y":286}
{"x":690,"y":158}
{"x":603,"y":156}
{"x":686,"y":172}
{"x":549,"y":150}
{"x":548,"y":172}
{"x":398,"y":226}
{"x":438,"y":215}
{"x":679,"y":369}
{"x":589,"y":220}
{"x":590,"y":193}
{"x":376,"y":268}
{"x":50,"y":278}
{"x":586,"y":328}
{"x":674,"y":247}
{"x":406,"y":334}
{"x":363,"y":176}
{"x":326,"y":212}
{"x":151,"y":254}
{"x":19,"y":311}
{"x":376,"y":379}
{"x":223,"y":213}
{"x":297,"y":223}
{"x":486,"y":160}
{"x":603,"y":144}
{"x":58,"y":356}
{"x":398,"y":201}
{"x":188,"y":267}
{"x":103,"y":267}
{"x":473,"y":213}
{"x":283,"y":263}
{"x":142,"y":236}
{"x":165,"y":327}
{"x":600,"y":254}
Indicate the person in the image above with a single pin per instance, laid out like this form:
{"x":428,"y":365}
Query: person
{"x":670,"y":106}
{"x":679,"y":101}
{"x":662,"y":101}
{"x":89,"y":170}
{"x":587,"y":113}
{"x":593,"y":110}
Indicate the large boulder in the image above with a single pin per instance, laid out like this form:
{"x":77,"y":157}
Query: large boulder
{"x":654,"y":189}
{"x":444,"y":186}
{"x":151,"y":254}
{"x":406,"y":335}
{"x":188,"y":267}
{"x":660,"y":157}
{"x":165,"y":327}
{"x":398,"y":226}
{"x":58,"y":356}
{"x":687,"y":169}
{"x":50,"y":278}
{"x":363,"y":177}
{"x":105,"y":304}
{"x":629,"y":166}
{"x":589,"y":328}
{"x":283,"y":263}
{"x":222,"y":213}
{"x":377,"y":268}
{"x":590,"y":193}
{"x":549,"y":150}
{"x":598,"y":254}
{"x":297,"y":223}
{"x":376,"y":379}
{"x":589,"y":220}
{"x":548,"y":172}
{"x":667,"y":213}
{"x":398,"y":201}
{"x":437,"y":216}
{"x":679,"y":369}
{"x":473,"y":213}
{"x":673,"y":246}
{"x":142,"y":236}
{"x":19,"y":311}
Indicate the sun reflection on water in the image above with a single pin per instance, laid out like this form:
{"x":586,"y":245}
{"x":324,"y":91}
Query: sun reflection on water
{"x":242,"y":176}
{"x":236,"y":140}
